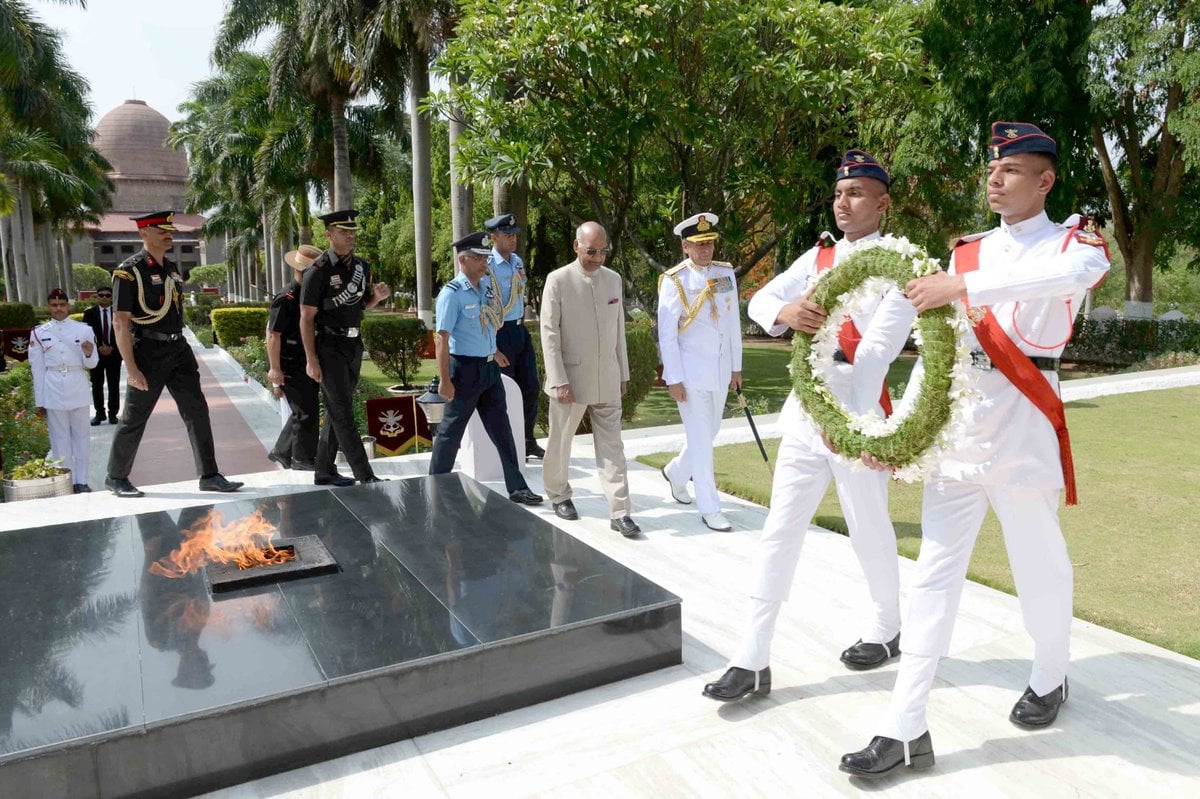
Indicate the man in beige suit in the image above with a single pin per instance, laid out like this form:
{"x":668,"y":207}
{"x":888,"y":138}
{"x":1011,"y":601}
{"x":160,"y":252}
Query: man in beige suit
{"x":587,"y":369}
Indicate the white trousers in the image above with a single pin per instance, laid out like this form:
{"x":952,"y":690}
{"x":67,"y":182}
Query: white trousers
{"x":701,"y":417}
{"x":1037,"y":554}
{"x":71,"y":440}
{"x":802,"y":475}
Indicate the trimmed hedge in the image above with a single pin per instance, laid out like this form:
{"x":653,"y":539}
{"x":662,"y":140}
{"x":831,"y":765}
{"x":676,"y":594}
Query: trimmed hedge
{"x":16,"y":314}
{"x":232,"y":324}
{"x":89,"y":277}
{"x":1127,"y":341}
{"x":642,"y":351}
{"x":394,"y":343}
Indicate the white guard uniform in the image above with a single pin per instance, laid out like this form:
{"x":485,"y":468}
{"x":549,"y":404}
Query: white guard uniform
{"x":1034,"y":275}
{"x":703,"y":357}
{"x":804,"y":465}
{"x":61,"y":385}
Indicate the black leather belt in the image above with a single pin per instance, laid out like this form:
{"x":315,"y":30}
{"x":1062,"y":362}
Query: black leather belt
{"x":154,"y":335}
{"x":473,"y":358}
{"x":980,"y":360}
{"x":512,"y":322}
{"x":345,"y":332}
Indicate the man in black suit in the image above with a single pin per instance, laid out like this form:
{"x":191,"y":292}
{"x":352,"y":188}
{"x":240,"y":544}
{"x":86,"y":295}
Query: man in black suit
{"x":99,"y":317}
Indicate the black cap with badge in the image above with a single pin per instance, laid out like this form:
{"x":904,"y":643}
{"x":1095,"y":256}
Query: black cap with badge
{"x":503,"y":223}
{"x":344,"y":220}
{"x":478,"y":242}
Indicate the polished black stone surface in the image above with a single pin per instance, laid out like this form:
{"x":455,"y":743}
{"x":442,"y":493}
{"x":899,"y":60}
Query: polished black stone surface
{"x":450,"y":603}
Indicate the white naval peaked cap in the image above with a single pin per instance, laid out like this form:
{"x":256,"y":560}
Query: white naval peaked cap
{"x":698,"y":228}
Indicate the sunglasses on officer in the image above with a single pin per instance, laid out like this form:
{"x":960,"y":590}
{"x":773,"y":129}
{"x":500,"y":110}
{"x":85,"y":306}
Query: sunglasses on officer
{"x":597,"y":250}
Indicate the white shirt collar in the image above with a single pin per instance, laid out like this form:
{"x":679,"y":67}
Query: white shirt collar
{"x":845,"y":242}
{"x":1027,"y":227}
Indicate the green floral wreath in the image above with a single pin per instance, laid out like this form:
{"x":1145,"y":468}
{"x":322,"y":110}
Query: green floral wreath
{"x":937,"y":342}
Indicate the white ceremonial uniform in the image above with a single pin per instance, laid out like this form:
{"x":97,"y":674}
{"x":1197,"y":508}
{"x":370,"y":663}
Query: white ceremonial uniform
{"x":62,"y":385}
{"x":804,"y":465}
{"x":1034,"y":276}
{"x":703,"y":357}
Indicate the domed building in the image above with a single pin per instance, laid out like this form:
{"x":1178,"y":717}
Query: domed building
{"x":149,"y":176}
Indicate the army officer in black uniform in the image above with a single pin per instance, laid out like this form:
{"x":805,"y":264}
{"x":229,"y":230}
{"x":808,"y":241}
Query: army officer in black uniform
{"x":335,"y":292}
{"x":148,"y":298}
{"x":296,"y":446}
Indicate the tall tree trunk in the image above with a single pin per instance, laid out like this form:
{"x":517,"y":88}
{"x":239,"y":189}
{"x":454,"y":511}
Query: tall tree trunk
{"x":33,"y":257}
{"x":462,"y":199}
{"x":22,"y":233}
{"x":418,"y":89}
{"x":343,"y":190}
{"x":64,"y":263}
{"x":6,"y":270}
{"x":304,"y":218}
{"x":268,"y":240}
{"x":285,"y":245}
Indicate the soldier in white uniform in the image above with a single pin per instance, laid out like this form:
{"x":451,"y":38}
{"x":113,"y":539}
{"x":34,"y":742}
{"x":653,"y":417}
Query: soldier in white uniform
{"x":805,"y":465}
{"x":61,"y":353}
{"x":1022,"y":284}
{"x":700,"y":341}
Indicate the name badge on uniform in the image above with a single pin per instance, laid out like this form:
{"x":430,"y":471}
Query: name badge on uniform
{"x":470,"y":307}
{"x":156,"y":280}
{"x":335,"y":280}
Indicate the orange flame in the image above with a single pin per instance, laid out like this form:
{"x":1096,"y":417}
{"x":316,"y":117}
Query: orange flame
{"x":245,"y":542}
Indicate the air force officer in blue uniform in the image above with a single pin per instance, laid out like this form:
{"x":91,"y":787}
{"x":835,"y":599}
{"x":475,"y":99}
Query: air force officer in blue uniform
{"x":507,"y":270}
{"x":468,"y":313}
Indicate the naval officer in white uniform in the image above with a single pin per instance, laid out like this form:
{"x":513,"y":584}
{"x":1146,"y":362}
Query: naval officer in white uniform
{"x":868,"y":344}
{"x":1022,"y":284}
{"x":700,"y":341}
{"x":61,"y":353}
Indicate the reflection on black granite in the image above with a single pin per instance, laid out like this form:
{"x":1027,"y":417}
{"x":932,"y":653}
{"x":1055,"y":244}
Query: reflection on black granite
{"x":493,"y":563}
{"x":66,"y":601}
{"x":372,"y":614}
{"x":199,"y":654}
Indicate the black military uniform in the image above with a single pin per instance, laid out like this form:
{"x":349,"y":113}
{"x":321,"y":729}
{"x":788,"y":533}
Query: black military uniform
{"x":339,"y":289}
{"x":296,"y":446}
{"x":152,"y":294}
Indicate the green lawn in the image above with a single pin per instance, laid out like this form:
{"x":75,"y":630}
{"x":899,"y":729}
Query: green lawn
{"x":1134,"y":538}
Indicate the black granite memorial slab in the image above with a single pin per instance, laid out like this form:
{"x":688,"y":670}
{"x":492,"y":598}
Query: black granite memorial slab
{"x":450,"y":604}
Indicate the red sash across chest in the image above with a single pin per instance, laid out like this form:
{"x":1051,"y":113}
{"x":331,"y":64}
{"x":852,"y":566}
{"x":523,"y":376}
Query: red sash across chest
{"x":848,"y":335}
{"x":1020,"y":371}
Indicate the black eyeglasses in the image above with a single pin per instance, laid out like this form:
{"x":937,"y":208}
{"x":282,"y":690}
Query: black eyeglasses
{"x":597,"y":250}
{"x":103,"y":296}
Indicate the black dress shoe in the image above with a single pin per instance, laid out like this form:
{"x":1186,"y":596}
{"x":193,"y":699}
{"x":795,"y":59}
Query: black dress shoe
{"x":283,"y":460}
{"x":373,"y":479}
{"x":97,"y":420}
{"x":532,"y":450}
{"x":1032,"y":710}
{"x":217,"y":482}
{"x":335,"y":479}
{"x":303,"y":466}
{"x":566,"y":510}
{"x":112,"y":418}
{"x":525,"y":497}
{"x":869,"y":656}
{"x":81,"y":488}
{"x":736,"y":683}
{"x":884,"y":755}
{"x":626,"y":526}
{"x":121,"y":487}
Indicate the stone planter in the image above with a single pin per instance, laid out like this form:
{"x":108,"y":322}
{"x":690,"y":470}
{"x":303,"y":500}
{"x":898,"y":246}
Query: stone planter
{"x":38,"y":488}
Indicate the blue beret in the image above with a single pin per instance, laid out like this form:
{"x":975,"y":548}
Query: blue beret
{"x":1010,"y":138}
{"x":861,"y":164}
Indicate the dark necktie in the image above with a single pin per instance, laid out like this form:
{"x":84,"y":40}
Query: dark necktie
{"x":104,"y":326}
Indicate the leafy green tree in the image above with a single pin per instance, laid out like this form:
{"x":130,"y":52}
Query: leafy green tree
{"x":1144,"y":79}
{"x":634,"y":113}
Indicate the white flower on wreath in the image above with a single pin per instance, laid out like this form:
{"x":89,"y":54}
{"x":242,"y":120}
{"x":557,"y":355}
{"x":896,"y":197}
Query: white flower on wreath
{"x":963,"y":395}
